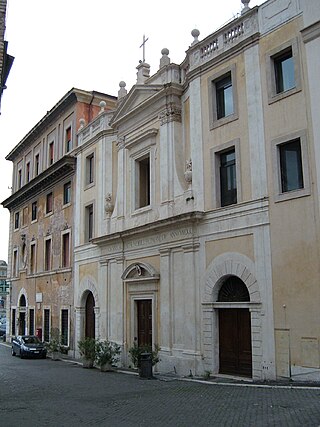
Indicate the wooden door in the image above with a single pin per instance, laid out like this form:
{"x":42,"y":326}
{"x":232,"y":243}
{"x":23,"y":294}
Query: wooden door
{"x":90,"y":317}
{"x":22,"y":323}
{"x":144,"y":308}
{"x":235,"y":354}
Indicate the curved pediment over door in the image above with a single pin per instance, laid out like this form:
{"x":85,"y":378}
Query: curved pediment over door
{"x":139,"y":272}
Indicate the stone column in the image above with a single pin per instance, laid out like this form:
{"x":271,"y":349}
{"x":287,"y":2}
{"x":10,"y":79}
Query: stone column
{"x":97,"y":322}
{"x":79,"y":327}
{"x":170,"y":139}
{"x":191,"y":298}
{"x":165,"y":301}
{"x":196,"y":144}
{"x":120,"y":202}
{"x":255,"y":123}
{"x":104,"y":282}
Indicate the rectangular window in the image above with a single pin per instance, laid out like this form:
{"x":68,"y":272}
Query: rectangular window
{"x":47,"y":255}
{"x":284,"y":71}
{"x":90,"y":169}
{"x":49,"y":203}
{"x":16,"y":220}
{"x":228,"y":179}
{"x":223,"y":104}
{"x":89,"y":223}
{"x":66,"y":250}
{"x":15,"y":263}
{"x":51,"y":153}
{"x":64,"y":327}
{"x":31,"y":321}
{"x":224,"y":96}
{"x":19,"y":183}
{"x":291,"y":166}
{"x":143,"y":182}
{"x":291,"y":177}
{"x":13,"y":322}
{"x":36,"y":165}
{"x":67,"y":193}
{"x":32,"y":258}
{"x":68,"y":144}
{"x":46,"y":325}
{"x":28,"y":172}
{"x":34,"y":211}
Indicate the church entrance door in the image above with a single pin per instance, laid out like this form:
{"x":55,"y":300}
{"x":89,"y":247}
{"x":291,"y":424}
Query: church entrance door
{"x":235,"y":341}
{"x":144,"y":311}
{"x":90,"y":316}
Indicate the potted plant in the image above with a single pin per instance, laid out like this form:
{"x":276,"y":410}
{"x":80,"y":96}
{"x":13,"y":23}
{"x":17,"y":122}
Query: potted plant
{"x":87,"y":349}
{"x":53,"y":346}
{"x":107,"y":354}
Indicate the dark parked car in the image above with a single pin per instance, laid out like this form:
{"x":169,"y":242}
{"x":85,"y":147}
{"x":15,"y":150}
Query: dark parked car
{"x":28,"y":345}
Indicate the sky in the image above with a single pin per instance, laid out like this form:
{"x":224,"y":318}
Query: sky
{"x":90,"y":45}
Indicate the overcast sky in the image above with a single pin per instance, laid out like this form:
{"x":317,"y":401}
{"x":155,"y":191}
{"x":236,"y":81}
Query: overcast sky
{"x":90,"y":45}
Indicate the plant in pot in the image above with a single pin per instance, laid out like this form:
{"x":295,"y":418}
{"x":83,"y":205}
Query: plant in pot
{"x":53,"y":346}
{"x":107,"y":354}
{"x":88,"y":350}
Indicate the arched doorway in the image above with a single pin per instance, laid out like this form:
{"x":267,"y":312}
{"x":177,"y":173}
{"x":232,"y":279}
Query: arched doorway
{"x":22,"y":315}
{"x":90,"y":316}
{"x":235,"y":348}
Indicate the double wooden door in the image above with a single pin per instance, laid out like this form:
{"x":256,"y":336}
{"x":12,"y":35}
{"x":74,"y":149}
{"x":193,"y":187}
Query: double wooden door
{"x":235,"y":353}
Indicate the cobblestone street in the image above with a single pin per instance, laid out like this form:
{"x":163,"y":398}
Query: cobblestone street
{"x":60,"y":393}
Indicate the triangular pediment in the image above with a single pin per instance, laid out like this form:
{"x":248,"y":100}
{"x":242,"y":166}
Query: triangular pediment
{"x":136,"y":98}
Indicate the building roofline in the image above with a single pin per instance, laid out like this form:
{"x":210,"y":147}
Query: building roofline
{"x":73,"y":95}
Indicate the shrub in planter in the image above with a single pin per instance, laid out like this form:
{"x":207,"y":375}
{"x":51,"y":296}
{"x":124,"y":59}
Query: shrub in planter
{"x":107,"y":354}
{"x":88,"y":350}
{"x":135,"y":353}
{"x":54,"y":345}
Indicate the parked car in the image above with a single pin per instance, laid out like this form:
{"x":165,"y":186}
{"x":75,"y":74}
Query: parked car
{"x":28,"y":345}
{"x":3,"y":327}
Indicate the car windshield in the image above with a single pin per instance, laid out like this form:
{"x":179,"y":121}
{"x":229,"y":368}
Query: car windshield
{"x":31,"y":340}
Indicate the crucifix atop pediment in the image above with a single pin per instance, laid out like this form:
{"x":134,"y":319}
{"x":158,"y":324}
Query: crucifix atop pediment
{"x":143,"y":48}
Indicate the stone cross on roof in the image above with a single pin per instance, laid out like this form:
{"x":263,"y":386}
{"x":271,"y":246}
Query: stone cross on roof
{"x":143,"y":48}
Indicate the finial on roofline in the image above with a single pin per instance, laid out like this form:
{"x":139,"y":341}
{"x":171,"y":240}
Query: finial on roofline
{"x":246,"y":6}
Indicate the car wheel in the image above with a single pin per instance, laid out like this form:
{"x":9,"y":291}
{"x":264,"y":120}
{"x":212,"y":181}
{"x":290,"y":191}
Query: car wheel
{"x":44,"y":356}
{"x":13,"y":353}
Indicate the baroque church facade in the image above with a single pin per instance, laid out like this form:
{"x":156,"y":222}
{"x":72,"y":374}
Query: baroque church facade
{"x":196,"y":204}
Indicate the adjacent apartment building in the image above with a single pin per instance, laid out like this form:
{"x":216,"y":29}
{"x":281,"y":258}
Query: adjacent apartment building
{"x":195,"y":214}
{"x":42,"y":218}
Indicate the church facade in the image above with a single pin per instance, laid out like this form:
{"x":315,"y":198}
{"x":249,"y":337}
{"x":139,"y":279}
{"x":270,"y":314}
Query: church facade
{"x":198,"y":229}
{"x":183,"y":214}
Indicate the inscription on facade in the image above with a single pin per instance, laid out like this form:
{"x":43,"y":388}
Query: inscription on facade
{"x":157,"y":239}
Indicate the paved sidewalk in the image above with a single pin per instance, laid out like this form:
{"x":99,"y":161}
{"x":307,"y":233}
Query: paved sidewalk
{"x":43,"y":392}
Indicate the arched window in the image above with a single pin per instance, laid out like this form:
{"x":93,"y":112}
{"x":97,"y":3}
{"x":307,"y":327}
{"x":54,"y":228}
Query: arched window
{"x":233,"y":290}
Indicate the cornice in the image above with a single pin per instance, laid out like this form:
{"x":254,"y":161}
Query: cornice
{"x":55,"y":173}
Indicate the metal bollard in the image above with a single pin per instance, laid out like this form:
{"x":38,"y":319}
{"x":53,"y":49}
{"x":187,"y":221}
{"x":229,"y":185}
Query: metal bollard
{"x":145,"y":366}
